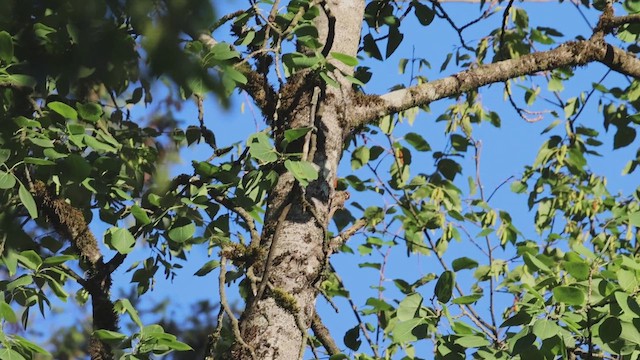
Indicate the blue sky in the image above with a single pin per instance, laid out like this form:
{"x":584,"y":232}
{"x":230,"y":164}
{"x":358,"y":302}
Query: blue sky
{"x":505,"y":152}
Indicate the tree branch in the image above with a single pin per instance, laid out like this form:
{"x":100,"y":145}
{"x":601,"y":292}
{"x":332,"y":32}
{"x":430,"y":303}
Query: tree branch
{"x":70,"y":223}
{"x":342,"y":238}
{"x":570,"y":54}
{"x":324,"y":336}
{"x":610,"y":23}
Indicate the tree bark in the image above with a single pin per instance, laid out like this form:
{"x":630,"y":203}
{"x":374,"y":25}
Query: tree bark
{"x":275,"y":325}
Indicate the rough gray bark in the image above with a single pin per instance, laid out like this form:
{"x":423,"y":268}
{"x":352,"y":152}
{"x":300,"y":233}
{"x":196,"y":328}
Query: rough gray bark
{"x":275,"y":325}
{"x":275,"y":322}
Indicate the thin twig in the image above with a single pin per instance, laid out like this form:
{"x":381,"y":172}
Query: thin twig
{"x":505,"y":17}
{"x":478,"y":151}
{"x":523,"y":112}
{"x":222,"y":282}
{"x":361,"y":324}
{"x":498,"y":187}
{"x":74,"y":275}
{"x":226,"y":18}
{"x":381,"y":280}
{"x":575,"y":117}
{"x":467,"y":310}
{"x":268,"y":262}
{"x":443,"y":14}
{"x":240,"y":211}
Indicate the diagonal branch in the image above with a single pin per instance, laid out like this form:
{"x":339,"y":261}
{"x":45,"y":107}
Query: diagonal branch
{"x":342,"y":238}
{"x":69,"y":222}
{"x":569,"y":54}
{"x":324,"y":336}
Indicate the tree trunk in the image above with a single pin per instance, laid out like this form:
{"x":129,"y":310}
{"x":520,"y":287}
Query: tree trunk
{"x":274,"y":326}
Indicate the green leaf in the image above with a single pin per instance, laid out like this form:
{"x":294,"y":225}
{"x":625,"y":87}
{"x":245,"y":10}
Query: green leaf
{"x":76,"y":128}
{"x":8,"y":354}
{"x":610,"y":329}
{"x":98,"y":145}
{"x":472,"y":341}
{"x":371,"y":48}
{"x":624,"y":136}
{"x":6,"y":47}
{"x":182,"y":230}
{"x":303,"y":171}
{"x":119,"y":239}
{"x":40,"y":162}
{"x":30,"y":346}
{"x":124,"y":305}
{"x":534,"y":263}
{"x":261,"y":149}
{"x":634,"y":218}
{"x":354,"y":80}
{"x":408,"y":307}
{"x":10,"y":260}
{"x":630,"y":332}
{"x":57,"y":288}
{"x":28,"y":202}
{"x":329,"y":80}
{"x":569,"y":295}
{"x":555,"y":84}
{"x":467,"y":299}
{"x":518,"y":187}
{"x":545,"y":329}
{"x":22,"y":80}
{"x":578,"y":270}
{"x":41,"y":141}
{"x":628,"y":304}
{"x":4,"y":155}
{"x":57,"y":260}
{"x":339,"y":357}
{"x":222,"y":51}
{"x":63,"y":109}
{"x":403,"y":331}
{"x":7,"y":313}
{"x":7,"y":180}
{"x":109,"y":336}
{"x":449,"y":168}
{"x":76,"y":167}
{"x":360,"y":157}
{"x":444,"y":286}
{"x":417,"y":141}
{"x":90,"y":111}
{"x":234,"y":75}
{"x":464,"y":263}
{"x":627,"y":280}
{"x":632,"y":6}
{"x":294,"y":134}
{"x":351,"y":338}
{"x":207,"y":268}
{"x":30,"y":259}
{"x":395,"y":38}
{"x":140,"y":215}
{"x":424,"y":14}
{"x":345,"y":59}
{"x":23,"y":280}
{"x":177,"y":345}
